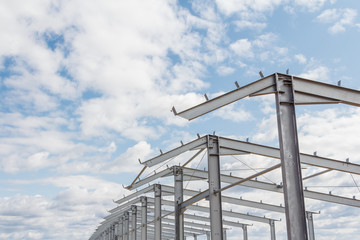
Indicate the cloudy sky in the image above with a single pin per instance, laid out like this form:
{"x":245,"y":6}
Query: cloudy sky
{"x":87,"y":87}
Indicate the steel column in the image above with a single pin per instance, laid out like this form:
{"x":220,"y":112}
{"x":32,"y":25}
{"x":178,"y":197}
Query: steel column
{"x":224,"y":234}
{"x":178,"y":199}
{"x":143,"y":201}
{"x":112,"y":232}
{"x":133,"y":221}
{"x":309,"y":216}
{"x":214,"y":185}
{"x":120,"y":229}
{"x":245,"y":234}
{"x":208,"y":235}
{"x":157,"y":193}
{"x":126,"y":226}
{"x":290,"y":159}
{"x":272,"y":230}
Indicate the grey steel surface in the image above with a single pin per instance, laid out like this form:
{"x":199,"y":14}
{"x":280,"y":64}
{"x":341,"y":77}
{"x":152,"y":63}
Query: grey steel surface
{"x":276,"y":188}
{"x":143,"y":201}
{"x":303,"y":91}
{"x":290,"y":159}
{"x":216,"y":212}
{"x":158,"y":227}
{"x":251,"y":148}
{"x":133,"y":222}
{"x":204,"y":209}
{"x":198,"y":143}
{"x":126,"y":226}
{"x":310,"y":222}
{"x":272,"y":230}
{"x":178,"y":199}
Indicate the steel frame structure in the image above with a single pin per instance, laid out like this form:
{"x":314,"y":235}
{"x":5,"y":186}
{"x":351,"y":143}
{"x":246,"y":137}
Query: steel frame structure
{"x":289,"y":91}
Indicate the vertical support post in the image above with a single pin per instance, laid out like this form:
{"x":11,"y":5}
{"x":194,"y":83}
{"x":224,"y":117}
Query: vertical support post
{"x":133,"y":221}
{"x":157,"y":193}
{"x":112,"y":231}
{"x":143,"y":201}
{"x":224,"y":234}
{"x":195,"y":236}
{"x":245,"y":233}
{"x":178,"y":199}
{"x":116,"y":229}
{"x":290,"y":159}
{"x":208,"y":236}
{"x":120,"y":229}
{"x":272,"y":230}
{"x":126,"y":226}
{"x":309,"y":216}
{"x":214,"y":185}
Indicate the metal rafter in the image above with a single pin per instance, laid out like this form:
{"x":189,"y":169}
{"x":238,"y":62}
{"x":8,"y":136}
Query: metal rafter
{"x":275,"y":188}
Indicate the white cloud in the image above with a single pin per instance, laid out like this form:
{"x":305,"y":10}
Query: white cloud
{"x":236,"y":115}
{"x":333,"y":130}
{"x":300,"y":58}
{"x":241,"y":7}
{"x":224,"y":70}
{"x":244,"y":24}
{"x":340,"y":19}
{"x":320,"y":73}
{"x":242,"y":48}
{"x":84,"y":201}
{"x":312,"y":5}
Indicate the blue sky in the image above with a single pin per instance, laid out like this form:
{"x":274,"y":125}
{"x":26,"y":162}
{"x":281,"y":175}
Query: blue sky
{"x":87,"y":89}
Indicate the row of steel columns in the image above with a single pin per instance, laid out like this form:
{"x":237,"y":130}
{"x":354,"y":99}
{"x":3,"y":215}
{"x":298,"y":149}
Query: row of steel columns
{"x":217,"y":232}
{"x":120,"y":230}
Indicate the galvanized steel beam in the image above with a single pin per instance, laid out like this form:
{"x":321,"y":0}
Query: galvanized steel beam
{"x":216,"y":212}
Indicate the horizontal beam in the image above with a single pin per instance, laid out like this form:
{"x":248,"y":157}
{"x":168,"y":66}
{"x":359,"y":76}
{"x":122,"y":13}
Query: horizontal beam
{"x":224,"y":212}
{"x":341,"y":94}
{"x":151,"y":178}
{"x":232,"y":200}
{"x":205,"y":219}
{"x":135,"y":194}
{"x":309,"y":91}
{"x":275,"y":153}
{"x":276,"y":188}
{"x":198,"y":143}
{"x":227,"y":98}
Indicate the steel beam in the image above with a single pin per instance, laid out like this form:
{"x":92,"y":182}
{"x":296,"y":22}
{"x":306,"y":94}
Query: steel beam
{"x":275,"y":188}
{"x":158,"y":200}
{"x":198,"y":143}
{"x":309,"y":216}
{"x":206,"y":219}
{"x":245,"y":233}
{"x":120,"y":229}
{"x":213,"y":147}
{"x":165,"y":172}
{"x":231,"y":200}
{"x":143,"y":201}
{"x":272,"y":230}
{"x":133,"y":222}
{"x":178,"y":199}
{"x":224,"y":212}
{"x":227,"y":98}
{"x":134,"y":195}
{"x":126,"y":226}
{"x":290,"y":159}
{"x":341,"y":94}
{"x":251,"y":148}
